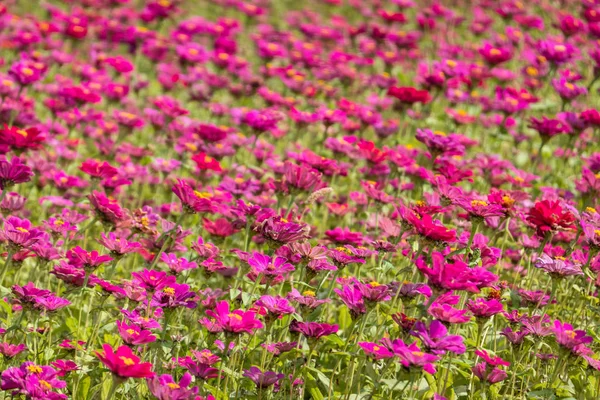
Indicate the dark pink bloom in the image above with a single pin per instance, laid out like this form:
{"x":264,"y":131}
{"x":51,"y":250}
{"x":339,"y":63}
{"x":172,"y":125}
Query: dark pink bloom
{"x":164,"y":387}
{"x":134,"y":335}
{"x":313,"y":330}
{"x":13,"y":172}
{"x":235,"y":321}
{"x":123,"y":363}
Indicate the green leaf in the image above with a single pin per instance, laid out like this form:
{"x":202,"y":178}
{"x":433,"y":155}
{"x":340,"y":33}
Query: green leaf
{"x":322,"y":377}
{"x":546,"y":394}
{"x":234,"y":293}
{"x":246,"y":298}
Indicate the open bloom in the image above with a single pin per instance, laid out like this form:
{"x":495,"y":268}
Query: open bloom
{"x":436,"y":339}
{"x":134,"y":335}
{"x":569,"y":338}
{"x":549,"y":217}
{"x":13,"y":172}
{"x":164,"y":387}
{"x":314,"y":330}
{"x":412,"y":357}
{"x":262,"y":379}
{"x":123,"y":363}
{"x":557,"y":267}
{"x":235,"y":321}
{"x":445,"y":276}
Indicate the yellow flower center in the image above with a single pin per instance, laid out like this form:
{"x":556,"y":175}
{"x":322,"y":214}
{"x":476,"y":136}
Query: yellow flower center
{"x":45,"y":384}
{"x":343,"y":250}
{"x":34,"y":369}
{"x":22,"y":230}
{"x":532,"y":71}
{"x":169,"y":290}
{"x":22,"y":132}
{"x":27,"y":71}
{"x":495,"y":52}
{"x":440,"y":133}
{"x":591,"y":210}
{"x":309,"y":293}
{"x":234,"y":316}
{"x":173,"y":385}
{"x":560,"y":48}
{"x":202,"y":195}
{"x":127,"y":361}
{"x":479,"y":203}
{"x":418,"y":353}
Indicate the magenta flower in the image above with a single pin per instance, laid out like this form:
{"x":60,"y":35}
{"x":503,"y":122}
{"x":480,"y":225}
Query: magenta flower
{"x":193,"y":201}
{"x":454,"y":276}
{"x":569,"y":338}
{"x":300,"y":178}
{"x":314,"y":330}
{"x":262,"y":379}
{"x":479,"y":209}
{"x":436,"y":339}
{"x":447,"y":313}
{"x":275,"y":306}
{"x":123,"y":363}
{"x":34,"y":381}
{"x":117,"y":245}
{"x":20,"y":233}
{"x":153,"y":280}
{"x":411,"y":356}
{"x":11,"y":350}
{"x":353,"y":299}
{"x":490,"y":374}
{"x":98,"y":170}
{"x":236,"y":321}
{"x":13,"y":172}
{"x":279,"y":231}
{"x":482,"y":308}
{"x":51,"y":303}
{"x":439,"y":143}
{"x":172,"y":295}
{"x":557,"y":267}
{"x":164,"y":387}
{"x":375,"y":351}
{"x":198,"y":368}
{"x":107,"y":210}
{"x":134,"y":335}
{"x":270,"y":267}
{"x":81,"y":258}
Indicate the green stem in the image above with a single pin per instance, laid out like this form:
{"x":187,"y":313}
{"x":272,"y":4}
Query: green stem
{"x":113,"y":388}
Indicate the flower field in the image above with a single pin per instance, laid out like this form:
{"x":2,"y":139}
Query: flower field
{"x":311,"y":199}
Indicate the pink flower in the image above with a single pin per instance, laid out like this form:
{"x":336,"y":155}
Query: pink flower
{"x":569,"y":338}
{"x":134,"y":335}
{"x":236,"y":321}
{"x":13,"y":172}
{"x":123,"y":363}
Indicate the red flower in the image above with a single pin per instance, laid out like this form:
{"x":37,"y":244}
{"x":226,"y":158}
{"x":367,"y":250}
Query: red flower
{"x":206,"y":162}
{"x":123,"y":363}
{"x":409,"y":95}
{"x":431,"y":230}
{"x":19,"y":139}
{"x":98,"y":170}
{"x":549,"y":216}
{"x":591,"y":117}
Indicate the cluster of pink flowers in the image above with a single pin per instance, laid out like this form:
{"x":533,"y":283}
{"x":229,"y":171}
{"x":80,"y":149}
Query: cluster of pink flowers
{"x":329,"y":199}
